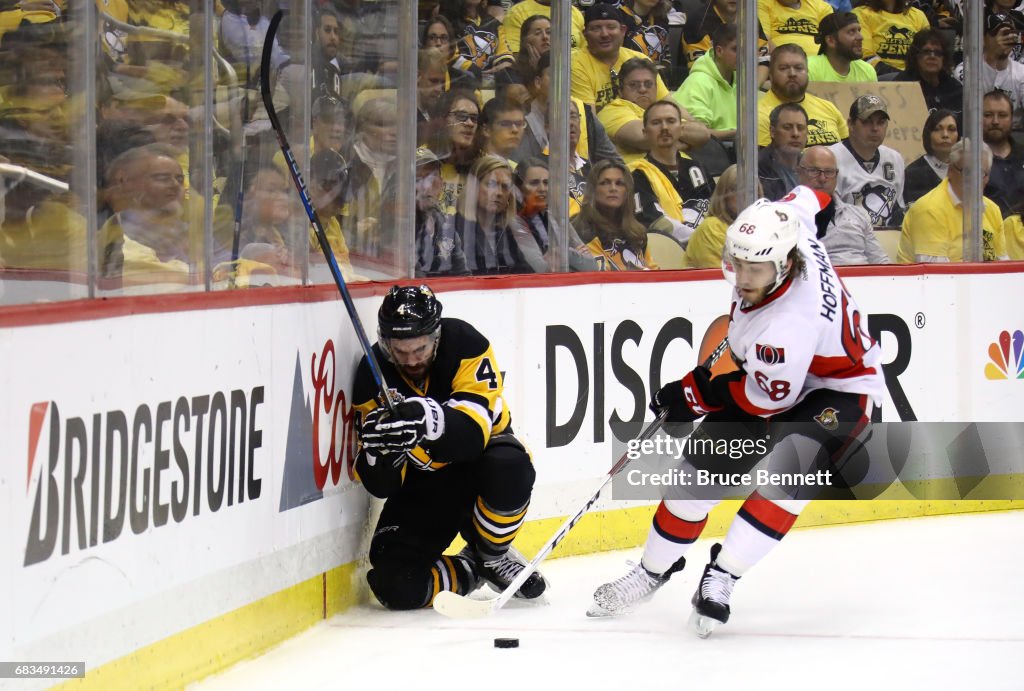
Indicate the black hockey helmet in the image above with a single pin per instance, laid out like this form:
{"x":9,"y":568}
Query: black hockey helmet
{"x":407,"y":312}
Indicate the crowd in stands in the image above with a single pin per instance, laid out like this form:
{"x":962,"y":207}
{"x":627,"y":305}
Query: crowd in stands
{"x":652,"y":130}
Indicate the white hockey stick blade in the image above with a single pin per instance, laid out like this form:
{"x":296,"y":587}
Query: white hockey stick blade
{"x":455,"y":606}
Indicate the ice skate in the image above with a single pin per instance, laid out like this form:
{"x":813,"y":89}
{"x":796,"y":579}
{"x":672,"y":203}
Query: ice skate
{"x":711,"y":601}
{"x":499,"y":574}
{"x":624,"y":593}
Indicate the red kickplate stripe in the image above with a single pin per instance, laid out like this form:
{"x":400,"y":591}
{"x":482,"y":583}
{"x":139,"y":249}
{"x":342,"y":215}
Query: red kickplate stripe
{"x":674,"y":528}
{"x":770,"y":515}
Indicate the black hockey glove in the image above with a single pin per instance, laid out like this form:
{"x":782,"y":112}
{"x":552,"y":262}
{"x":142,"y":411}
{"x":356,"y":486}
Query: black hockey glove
{"x":380,"y":475}
{"x":688,"y":398}
{"x":414,"y":421}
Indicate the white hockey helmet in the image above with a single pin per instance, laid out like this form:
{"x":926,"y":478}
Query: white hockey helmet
{"x":765,"y":231}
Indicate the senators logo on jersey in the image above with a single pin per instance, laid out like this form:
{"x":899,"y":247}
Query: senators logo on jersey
{"x":828,"y":418}
{"x":770,"y":355}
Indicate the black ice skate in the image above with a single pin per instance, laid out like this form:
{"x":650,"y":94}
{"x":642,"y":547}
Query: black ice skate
{"x":624,"y":593}
{"x":499,"y":574}
{"x":711,"y":601}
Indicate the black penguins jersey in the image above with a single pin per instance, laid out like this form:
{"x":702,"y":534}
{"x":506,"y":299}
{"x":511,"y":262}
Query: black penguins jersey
{"x":464,"y":378}
{"x":691,"y":182}
{"x":644,"y":36}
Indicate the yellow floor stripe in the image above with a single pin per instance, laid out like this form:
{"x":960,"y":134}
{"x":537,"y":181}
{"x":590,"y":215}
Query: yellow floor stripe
{"x":219,"y":643}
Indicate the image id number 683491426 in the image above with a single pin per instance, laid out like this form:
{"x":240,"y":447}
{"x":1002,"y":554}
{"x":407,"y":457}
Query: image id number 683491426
{"x":41,"y":670}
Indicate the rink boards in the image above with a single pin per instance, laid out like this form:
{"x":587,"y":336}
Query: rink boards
{"x":178,"y":490}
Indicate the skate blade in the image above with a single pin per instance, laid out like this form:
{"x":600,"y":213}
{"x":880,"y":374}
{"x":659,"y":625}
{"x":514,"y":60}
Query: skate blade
{"x":703,"y":626}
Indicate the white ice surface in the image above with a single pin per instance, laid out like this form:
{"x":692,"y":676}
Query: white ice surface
{"x":928,"y":603}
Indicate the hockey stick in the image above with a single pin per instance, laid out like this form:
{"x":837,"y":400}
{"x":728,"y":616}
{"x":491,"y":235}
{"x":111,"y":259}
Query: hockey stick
{"x":20,"y":173}
{"x":457,"y":606}
{"x":314,"y":219}
{"x":240,"y":197}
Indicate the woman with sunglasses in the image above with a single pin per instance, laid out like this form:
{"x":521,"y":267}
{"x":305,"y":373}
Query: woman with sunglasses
{"x":929,"y":62}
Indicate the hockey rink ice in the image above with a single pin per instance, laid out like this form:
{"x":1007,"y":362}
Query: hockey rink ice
{"x":925,"y":603}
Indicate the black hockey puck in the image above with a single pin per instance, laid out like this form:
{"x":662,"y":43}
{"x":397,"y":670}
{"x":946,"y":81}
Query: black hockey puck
{"x":506,"y":642}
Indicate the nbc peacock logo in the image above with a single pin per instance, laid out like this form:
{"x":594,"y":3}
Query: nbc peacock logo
{"x":1006,"y":357}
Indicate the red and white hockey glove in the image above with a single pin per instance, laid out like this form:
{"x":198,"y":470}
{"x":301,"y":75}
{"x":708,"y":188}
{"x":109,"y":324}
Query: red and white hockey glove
{"x":688,"y":398}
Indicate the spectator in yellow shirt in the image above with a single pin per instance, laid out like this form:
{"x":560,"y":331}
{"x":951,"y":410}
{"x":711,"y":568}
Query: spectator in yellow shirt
{"x":704,"y":251}
{"x":1013,"y":232}
{"x":788,"y":73}
{"x":792,"y":21}
{"x":508,"y":34}
{"x":933,"y":230}
{"x":623,"y":118}
{"x":889,"y":26}
{"x":595,"y":67}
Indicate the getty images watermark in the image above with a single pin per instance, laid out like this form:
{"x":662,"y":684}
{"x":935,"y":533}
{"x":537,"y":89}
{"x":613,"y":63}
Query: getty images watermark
{"x":729,"y":472}
{"x":883,"y":461}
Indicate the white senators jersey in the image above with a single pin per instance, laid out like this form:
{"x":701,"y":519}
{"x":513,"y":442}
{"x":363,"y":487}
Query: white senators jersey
{"x":809,"y":334}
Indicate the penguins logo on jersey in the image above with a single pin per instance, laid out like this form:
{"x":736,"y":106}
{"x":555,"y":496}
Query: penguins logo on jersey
{"x":445,"y":247}
{"x":478,"y":46}
{"x":577,"y":188}
{"x":627,"y":255}
{"x":828,"y":419}
{"x":651,"y":41}
{"x":878,"y":200}
{"x":694,"y":211}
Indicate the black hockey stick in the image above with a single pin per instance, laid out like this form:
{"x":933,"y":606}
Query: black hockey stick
{"x":321,"y":236}
{"x":458,"y":606}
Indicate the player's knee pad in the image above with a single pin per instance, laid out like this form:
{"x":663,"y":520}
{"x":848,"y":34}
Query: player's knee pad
{"x":506,"y":473}
{"x":400,"y":588}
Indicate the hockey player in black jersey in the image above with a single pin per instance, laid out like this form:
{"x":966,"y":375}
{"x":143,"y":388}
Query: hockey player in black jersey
{"x":446,"y":461}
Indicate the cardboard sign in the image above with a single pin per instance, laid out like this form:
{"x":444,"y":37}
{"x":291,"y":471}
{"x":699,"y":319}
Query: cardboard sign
{"x":907,"y":110}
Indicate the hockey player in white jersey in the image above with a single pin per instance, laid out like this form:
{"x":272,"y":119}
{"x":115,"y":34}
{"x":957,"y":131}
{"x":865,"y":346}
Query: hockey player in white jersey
{"x":806,"y":365}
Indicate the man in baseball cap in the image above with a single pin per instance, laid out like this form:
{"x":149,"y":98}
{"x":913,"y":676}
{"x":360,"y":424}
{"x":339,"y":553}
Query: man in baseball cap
{"x":994,"y":21}
{"x":871,"y":174}
{"x":595,"y":69}
{"x":867,"y":105}
{"x":840,"y":51}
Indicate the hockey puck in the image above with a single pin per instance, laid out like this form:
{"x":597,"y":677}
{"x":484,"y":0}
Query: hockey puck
{"x":506,"y":642}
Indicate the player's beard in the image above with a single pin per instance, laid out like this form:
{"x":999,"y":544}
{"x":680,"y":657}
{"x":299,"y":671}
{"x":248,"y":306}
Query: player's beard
{"x":417,"y":374}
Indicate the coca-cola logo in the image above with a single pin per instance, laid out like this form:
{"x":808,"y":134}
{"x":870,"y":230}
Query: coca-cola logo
{"x":321,"y":431}
{"x":331,"y":411}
